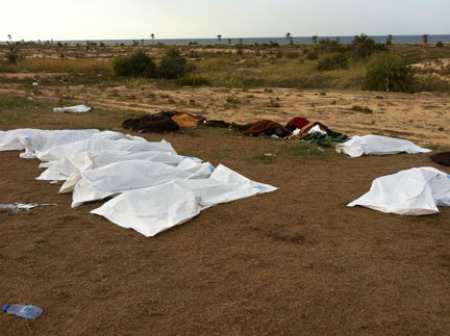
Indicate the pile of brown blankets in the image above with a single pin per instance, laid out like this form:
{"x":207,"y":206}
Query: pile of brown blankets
{"x":297,"y":128}
{"x":441,"y":158}
{"x":162,"y":122}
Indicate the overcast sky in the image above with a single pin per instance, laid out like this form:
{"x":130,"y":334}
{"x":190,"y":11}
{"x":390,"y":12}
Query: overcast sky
{"x":136,"y":19}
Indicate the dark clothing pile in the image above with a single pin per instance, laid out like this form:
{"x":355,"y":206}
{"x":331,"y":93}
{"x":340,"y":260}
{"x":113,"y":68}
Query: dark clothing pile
{"x":441,"y":158}
{"x":157,"y":123}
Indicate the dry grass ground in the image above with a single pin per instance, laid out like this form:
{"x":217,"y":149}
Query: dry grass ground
{"x":293,"y":262}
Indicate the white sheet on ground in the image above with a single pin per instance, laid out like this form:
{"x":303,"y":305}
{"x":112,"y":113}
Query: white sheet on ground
{"x":43,"y":140}
{"x":378,"y":145}
{"x":155,"y":209}
{"x":96,"y":184}
{"x":416,"y":191}
{"x":75,"y":162}
{"x":13,"y":139}
{"x":102,"y":142}
{"x":73,"y":109}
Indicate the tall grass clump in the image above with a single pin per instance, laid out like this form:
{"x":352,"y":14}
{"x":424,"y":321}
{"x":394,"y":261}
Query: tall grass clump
{"x":58,"y":65}
{"x":388,"y":73}
{"x":138,"y":64}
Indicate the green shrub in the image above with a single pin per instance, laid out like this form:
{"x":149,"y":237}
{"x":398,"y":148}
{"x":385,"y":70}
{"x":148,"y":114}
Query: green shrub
{"x":363,"y":109}
{"x":388,"y":74}
{"x":192,"y":81}
{"x":172,"y":65}
{"x":135,"y":65}
{"x":291,"y":54}
{"x":335,"y":62}
{"x":312,"y":55}
{"x":439,"y":44}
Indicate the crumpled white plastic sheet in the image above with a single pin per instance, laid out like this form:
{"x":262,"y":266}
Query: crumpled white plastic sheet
{"x":9,"y":140}
{"x":155,"y":209}
{"x":75,"y":162}
{"x":416,"y":191}
{"x":15,"y":139}
{"x":96,"y":184}
{"x":43,"y":140}
{"x":109,"y":163}
{"x":378,"y":145}
{"x":105,"y":142}
{"x":73,"y":109}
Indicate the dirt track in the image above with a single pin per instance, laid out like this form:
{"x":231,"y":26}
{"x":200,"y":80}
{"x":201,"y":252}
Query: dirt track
{"x":293,"y":262}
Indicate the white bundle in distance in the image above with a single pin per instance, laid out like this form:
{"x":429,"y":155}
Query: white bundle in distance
{"x":378,"y":145}
{"x":72,"y":109}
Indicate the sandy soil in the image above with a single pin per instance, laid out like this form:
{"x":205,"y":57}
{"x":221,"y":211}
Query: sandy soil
{"x":293,"y":262}
{"x":422,"y":117}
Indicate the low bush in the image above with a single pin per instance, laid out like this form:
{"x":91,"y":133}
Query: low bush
{"x":363,"y":109}
{"x":291,"y":54}
{"x":312,"y":55}
{"x":335,"y":62}
{"x":388,"y":73}
{"x":439,"y":44}
{"x":172,"y":65}
{"x":135,"y":65}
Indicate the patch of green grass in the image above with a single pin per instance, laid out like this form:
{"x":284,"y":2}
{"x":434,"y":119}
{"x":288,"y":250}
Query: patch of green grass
{"x":305,"y":149}
{"x":362,"y":109}
{"x":438,"y":147}
{"x":20,"y":103}
{"x":15,"y":111}
{"x":265,"y":157}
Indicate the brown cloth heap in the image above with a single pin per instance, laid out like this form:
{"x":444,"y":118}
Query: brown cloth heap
{"x":186,"y":120}
{"x":268,"y":127}
{"x":441,"y":158}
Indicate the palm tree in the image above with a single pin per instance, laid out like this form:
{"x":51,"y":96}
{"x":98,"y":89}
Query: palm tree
{"x":389,"y":39}
{"x":314,"y":38}
{"x":363,"y":46}
{"x":229,"y":41}
{"x":288,"y":36}
{"x":9,"y":36}
{"x":219,"y":37}
{"x":425,"y":38}
{"x":153,"y":37}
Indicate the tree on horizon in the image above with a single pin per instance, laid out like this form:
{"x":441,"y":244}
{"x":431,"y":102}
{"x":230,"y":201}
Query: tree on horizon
{"x":229,"y":41}
{"x":288,"y":37}
{"x":314,"y":39}
{"x":219,"y":37}
{"x":425,"y":38}
{"x":389,"y":39}
{"x":153,"y":37}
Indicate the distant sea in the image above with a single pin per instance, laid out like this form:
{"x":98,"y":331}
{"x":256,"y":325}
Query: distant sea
{"x":261,"y":40}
